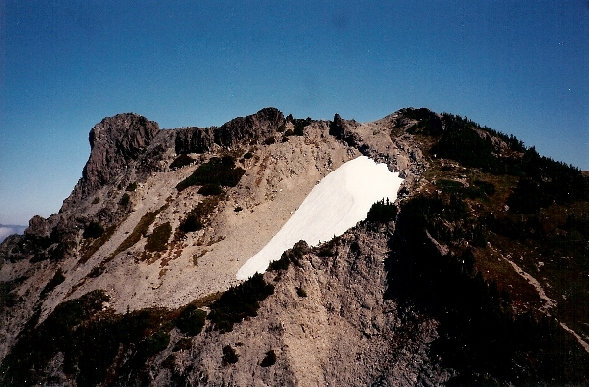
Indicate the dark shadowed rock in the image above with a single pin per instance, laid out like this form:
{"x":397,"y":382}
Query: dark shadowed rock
{"x":256,"y":127}
{"x":38,"y":227}
{"x":241,"y":130}
{"x":342,"y":130}
{"x":115,"y":142}
{"x":193,"y":140}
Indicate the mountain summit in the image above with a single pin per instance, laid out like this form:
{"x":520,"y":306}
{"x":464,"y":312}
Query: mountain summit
{"x":453,"y":255}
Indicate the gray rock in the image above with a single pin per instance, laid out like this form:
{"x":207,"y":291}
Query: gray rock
{"x":38,"y":227}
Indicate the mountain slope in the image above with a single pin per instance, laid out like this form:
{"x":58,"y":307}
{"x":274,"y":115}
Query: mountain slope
{"x":476,"y":274}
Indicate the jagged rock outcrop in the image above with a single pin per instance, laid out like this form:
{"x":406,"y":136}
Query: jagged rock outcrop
{"x":194,"y":140}
{"x":254,"y":128}
{"x":343,"y":130}
{"x":115,"y":143}
{"x":38,"y":227}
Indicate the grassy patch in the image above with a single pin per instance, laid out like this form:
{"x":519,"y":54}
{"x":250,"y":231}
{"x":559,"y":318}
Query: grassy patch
{"x":198,"y":216}
{"x":158,"y":239}
{"x":449,"y":186}
{"x":88,"y":251}
{"x":197,"y":256}
{"x":139,"y":231}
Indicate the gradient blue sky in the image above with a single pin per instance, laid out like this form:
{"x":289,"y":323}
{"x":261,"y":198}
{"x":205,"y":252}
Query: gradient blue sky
{"x":518,"y":67}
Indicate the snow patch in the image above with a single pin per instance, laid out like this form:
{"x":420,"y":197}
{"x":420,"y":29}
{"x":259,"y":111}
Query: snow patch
{"x":339,"y":201}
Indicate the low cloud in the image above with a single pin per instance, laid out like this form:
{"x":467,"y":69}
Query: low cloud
{"x":5,"y":231}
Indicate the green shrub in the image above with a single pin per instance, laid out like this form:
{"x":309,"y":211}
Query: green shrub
{"x":238,"y":209}
{"x":449,"y":186}
{"x":480,"y":336}
{"x":220,"y":171}
{"x":191,"y":223}
{"x":169,"y":362}
{"x":239,"y":302}
{"x":280,"y":264}
{"x":96,"y":200}
{"x":299,"y":126}
{"x":132,"y":187}
{"x":301,"y":292}
{"x":152,"y":345}
{"x":429,"y":122}
{"x":328,"y":249}
{"x":270,"y":141}
{"x":139,"y":231}
{"x":181,"y":161}
{"x":191,"y":320}
{"x":125,"y":200}
{"x":7,"y":296}
{"x":210,"y":190}
{"x":293,"y":255}
{"x":546,"y":181}
{"x":197,"y":217}
{"x":248,"y":155}
{"x":37,"y":344}
{"x":229,"y":355}
{"x":382,"y":211}
{"x":88,"y":250}
{"x":93,"y":343}
{"x":57,"y":279}
{"x":183,"y":344}
{"x":158,"y":239}
{"x":93,"y":230}
{"x":269,"y":359}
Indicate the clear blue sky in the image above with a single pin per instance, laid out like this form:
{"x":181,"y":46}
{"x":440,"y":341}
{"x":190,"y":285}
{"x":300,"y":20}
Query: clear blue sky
{"x":518,"y":67}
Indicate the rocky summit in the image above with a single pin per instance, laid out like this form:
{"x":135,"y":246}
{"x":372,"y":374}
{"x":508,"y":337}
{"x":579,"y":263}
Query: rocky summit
{"x":474,"y":272}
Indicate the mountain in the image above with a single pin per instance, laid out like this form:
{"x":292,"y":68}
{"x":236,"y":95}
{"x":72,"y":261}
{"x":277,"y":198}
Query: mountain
{"x":7,"y":230}
{"x":433,"y":251}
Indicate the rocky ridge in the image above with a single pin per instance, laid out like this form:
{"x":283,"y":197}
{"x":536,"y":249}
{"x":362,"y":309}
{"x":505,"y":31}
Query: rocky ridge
{"x":104,"y":245}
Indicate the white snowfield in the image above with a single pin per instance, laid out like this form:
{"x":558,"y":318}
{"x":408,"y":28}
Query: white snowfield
{"x":339,"y":201}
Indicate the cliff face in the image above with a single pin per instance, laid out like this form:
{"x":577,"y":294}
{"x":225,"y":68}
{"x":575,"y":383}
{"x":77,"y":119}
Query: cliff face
{"x":237,"y":132}
{"x":116,"y":142}
{"x":459,"y":281}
